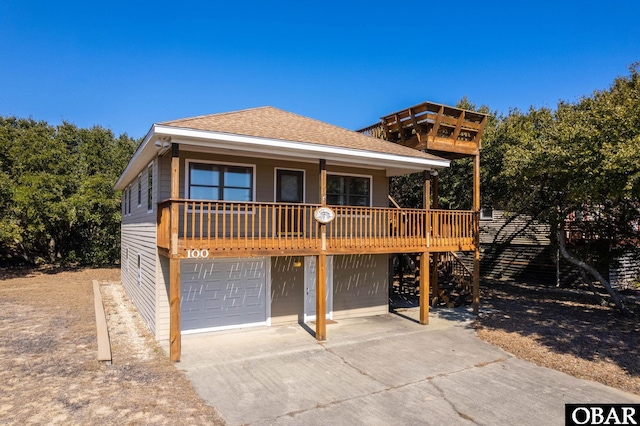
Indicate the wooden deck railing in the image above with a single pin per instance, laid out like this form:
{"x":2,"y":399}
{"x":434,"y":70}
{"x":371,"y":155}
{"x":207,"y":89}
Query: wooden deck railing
{"x":277,"y":228}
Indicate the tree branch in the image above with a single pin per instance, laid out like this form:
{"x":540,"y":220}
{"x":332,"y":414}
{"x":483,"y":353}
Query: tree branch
{"x":591,"y":270}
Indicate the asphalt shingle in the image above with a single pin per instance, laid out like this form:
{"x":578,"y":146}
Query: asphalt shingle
{"x":274,"y":123}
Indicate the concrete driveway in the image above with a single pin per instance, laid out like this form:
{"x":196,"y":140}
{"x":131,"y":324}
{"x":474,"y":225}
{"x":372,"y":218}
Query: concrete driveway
{"x":378,"y":371}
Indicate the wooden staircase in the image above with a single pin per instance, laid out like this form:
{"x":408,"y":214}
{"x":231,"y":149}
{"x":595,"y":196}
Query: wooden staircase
{"x":455,"y":280}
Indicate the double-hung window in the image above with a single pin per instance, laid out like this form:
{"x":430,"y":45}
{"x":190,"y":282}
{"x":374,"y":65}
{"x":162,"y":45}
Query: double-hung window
{"x":344,"y":190}
{"x":220,"y":182}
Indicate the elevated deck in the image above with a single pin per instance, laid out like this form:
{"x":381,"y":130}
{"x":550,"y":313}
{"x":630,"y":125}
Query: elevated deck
{"x":442,"y":130}
{"x":226,"y":229}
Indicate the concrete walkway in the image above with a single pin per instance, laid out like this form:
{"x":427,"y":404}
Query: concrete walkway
{"x":378,"y":371}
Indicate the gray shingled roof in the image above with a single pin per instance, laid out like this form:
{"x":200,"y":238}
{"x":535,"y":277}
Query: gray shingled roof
{"x":274,"y":123}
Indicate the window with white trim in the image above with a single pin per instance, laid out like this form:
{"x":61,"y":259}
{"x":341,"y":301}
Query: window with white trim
{"x":486,"y":213}
{"x":139,"y":190}
{"x":346,"y":190}
{"x":220,"y":182}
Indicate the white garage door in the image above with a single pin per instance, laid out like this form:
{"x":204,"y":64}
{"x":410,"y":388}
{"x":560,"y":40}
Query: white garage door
{"x":222,"y":293}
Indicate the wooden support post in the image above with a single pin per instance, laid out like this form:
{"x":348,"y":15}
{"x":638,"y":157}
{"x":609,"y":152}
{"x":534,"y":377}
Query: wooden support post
{"x":175,"y":193}
{"x":435,"y":184}
{"x":400,"y":130}
{"x":435,"y":257}
{"x":426,"y":190}
{"x":434,"y":278}
{"x":424,"y":288}
{"x":321,"y":264}
{"x":476,"y":233}
{"x":321,"y":296}
{"x":390,"y":275}
{"x":175,"y":342}
{"x":323,"y":182}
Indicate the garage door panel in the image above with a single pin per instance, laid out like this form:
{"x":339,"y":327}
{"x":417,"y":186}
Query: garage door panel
{"x":222,"y":293}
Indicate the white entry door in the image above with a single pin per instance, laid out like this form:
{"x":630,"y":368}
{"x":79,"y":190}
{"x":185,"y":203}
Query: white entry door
{"x":310,"y":288}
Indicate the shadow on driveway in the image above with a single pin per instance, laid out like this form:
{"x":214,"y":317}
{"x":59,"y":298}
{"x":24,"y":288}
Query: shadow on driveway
{"x":378,"y":370}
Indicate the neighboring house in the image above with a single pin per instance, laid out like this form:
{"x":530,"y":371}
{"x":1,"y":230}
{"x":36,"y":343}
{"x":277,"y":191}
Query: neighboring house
{"x":218,"y":227}
{"x":514,"y":246}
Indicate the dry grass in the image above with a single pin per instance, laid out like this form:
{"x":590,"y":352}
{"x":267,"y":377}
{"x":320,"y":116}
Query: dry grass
{"x":564,"y":329}
{"x":49,"y":371}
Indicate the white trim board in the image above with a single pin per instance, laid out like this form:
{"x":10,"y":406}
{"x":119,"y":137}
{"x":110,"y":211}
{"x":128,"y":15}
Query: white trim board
{"x":392,"y":163}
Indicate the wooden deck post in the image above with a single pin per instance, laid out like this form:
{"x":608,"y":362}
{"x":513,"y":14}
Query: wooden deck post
{"x":175,"y":342}
{"x":424,"y":288}
{"x":175,"y":194}
{"x":321,"y":297}
{"x":435,"y":256}
{"x":435,"y":204}
{"x":476,"y":233}
{"x":426,"y":190}
{"x":321,"y":264}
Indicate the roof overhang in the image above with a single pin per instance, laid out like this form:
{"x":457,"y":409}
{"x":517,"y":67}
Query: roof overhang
{"x":393,"y":164}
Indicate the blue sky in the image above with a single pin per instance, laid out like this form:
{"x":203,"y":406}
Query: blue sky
{"x":127,"y":64}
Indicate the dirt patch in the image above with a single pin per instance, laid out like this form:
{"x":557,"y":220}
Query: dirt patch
{"x":49,"y":370}
{"x":564,"y":329}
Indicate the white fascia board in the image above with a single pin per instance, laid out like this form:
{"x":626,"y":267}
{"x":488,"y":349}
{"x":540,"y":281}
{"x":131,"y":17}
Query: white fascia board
{"x":140,"y":155}
{"x":301,"y":149}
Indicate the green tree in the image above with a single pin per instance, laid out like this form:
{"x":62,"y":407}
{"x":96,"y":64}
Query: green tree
{"x":583,"y":157}
{"x":56,"y":192}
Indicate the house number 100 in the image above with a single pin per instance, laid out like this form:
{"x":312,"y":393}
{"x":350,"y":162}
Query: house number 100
{"x":197,"y":254}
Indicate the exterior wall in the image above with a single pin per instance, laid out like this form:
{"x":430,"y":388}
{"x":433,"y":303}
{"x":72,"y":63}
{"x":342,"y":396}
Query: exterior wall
{"x":627,"y":273}
{"x":287,"y":290}
{"x":138,"y":237}
{"x":164,"y":176}
{"x":507,"y":228}
{"x":265,"y":176}
{"x":517,"y":247}
{"x":151,"y":295}
{"x":360,"y":285}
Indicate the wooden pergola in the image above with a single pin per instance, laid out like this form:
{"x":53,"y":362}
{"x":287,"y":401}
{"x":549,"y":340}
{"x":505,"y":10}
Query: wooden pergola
{"x":442,"y":130}
{"x":448,"y":132}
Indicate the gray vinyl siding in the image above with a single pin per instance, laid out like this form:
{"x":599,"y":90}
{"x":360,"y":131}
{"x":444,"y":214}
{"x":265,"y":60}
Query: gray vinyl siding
{"x":511,"y":228}
{"x":515,"y":246}
{"x":138,"y":235}
{"x":164,"y":177}
{"x":360,"y":285}
{"x":626,"y":273}
{"x":287,"y":290}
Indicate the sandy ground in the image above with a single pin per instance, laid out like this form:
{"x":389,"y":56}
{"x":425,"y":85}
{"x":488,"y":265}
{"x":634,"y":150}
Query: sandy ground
{"x":564,"y":329}
{"x":49,"y":373}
